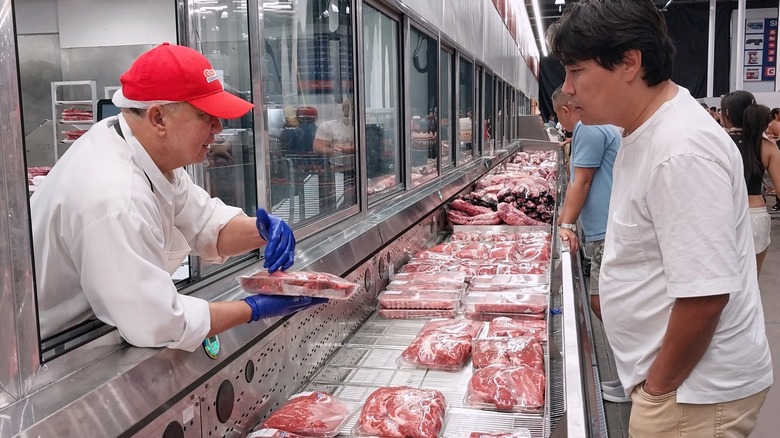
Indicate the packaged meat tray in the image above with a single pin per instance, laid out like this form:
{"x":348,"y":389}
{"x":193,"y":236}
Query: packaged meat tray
{"x":514,"y":433}
{"x":423,"y":299}
{"x":272,"y":433}
{"x":416,"y":313}
{"x":316,"y":414}
{"x":437,"y":351}
{"x":511,"y":280}
{"x":489,"y":316}
{"x":516,"y":389}
{"x":432,"y":278}
{"x":453,"y":325}
{"x":402,"y":411}
{"x":507,"y":351}
{"x":504,"y":302}
{"x":298,"y":283}
{"x":429,"y":266}
{"x":515,"y":327}
{"x":401,"y":285}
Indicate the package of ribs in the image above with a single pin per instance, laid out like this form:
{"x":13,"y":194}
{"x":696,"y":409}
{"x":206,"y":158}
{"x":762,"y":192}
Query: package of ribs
{"x":298,"y":283}
{"x":507,"y":388}
{"x":74,"y":114}
{"x":505,"y":302}
{"x":402,"y":412}
{"x":315,"y":414}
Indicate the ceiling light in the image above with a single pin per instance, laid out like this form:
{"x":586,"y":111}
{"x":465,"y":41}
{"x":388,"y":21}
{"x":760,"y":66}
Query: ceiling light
{"x":560,"y":2}
{"x":539,"y":29}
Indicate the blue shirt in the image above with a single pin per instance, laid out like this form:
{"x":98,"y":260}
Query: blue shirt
{"x":595,"y":146}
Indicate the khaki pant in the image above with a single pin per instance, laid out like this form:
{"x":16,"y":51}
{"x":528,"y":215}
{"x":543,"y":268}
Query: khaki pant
{"x":661,"y":416}
{"x":595,"y":250}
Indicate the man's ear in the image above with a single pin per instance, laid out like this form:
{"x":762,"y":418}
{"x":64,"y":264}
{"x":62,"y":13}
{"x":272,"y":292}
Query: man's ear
{"x":156,"y":119}
{"x":632,"y":64}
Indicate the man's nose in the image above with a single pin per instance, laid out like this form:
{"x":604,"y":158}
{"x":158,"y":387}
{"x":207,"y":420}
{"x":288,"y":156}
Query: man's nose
{"x":216,"y":125}
{"x":567,"y":87}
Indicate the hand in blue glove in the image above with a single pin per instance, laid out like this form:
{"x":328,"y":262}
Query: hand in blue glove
{"x":280,"y":242}
{"x":269,"y":306}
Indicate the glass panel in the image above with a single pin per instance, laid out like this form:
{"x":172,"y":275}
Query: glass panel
{"x":499,"y":115}
{"x":445,"y":96}
{"x":422,"y":80}
{"x":229,"y":170}
{"x":309,"y":108}
{"x":508,"y":117}
{"x":466,"y":112}
{"x":383,"y":133}
{"x":489,"y":117}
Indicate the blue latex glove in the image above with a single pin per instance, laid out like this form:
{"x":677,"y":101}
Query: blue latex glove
{"x":269,"y":306}
{"x":280,"y":246}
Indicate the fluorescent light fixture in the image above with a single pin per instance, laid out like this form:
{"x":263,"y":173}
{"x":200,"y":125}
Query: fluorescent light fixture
{"x":539,"y":30}
{"x":560,"y":2}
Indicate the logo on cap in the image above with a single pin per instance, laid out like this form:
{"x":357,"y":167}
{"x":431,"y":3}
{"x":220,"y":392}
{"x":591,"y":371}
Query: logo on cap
{"x":210,"y":75}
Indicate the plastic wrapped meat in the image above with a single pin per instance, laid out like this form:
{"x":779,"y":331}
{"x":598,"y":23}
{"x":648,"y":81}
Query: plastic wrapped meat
{"x":423,"y":299}
{"x":439,"y":351}
{"x":473,"y":251}
{"x":421,"y":286}
{"x":505,"y":302}
{"x":433,"y":278}
{"x":315,"y":415}
{"x":532,"y":253}
{"x":448,"y":248}
{"x":519,"y":388}
{"x":272,"y":433}
{"x":515,"y":433}
{"x":511,"y":281}
{"x":402,"y":412}
{"x":456,"y":326}
{"x":427,"y":266}
{"x":311,"y":284}
{"x":507,"y":351}
{"x":515,"y":327}
{"x":417,"y":313}
{"x":442,"y":344}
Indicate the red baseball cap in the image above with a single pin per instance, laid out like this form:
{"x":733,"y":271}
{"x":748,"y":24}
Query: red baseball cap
{"x":175,"y":73}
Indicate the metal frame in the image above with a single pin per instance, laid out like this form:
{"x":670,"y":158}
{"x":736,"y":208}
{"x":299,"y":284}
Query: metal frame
{"x":18,"y":307}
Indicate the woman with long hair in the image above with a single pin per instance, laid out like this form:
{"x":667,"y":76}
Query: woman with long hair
{"x":746,"y":122}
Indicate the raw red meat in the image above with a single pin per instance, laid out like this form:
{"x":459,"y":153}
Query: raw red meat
{"x":426,"y":287}
{"x":313,"y":284}
{"x":460,"y":218}
{"x":505,"y":302}
{"x":402,"y":412}
{"x":473,"y":251}
{"x":74,"y":134}
{"x":514,"y":327}
{"x":427,"y":266}
{"x":507,"y":388}
{"x":74,"y":114}
{"x":468,"y":208}
{"x":409,"y":299}
{"x":272,"y":433}
{"x":441,"y":351}
{"x":425,"y":278}
{"x":507,"y":351}
{"x":453,"y":326}
{"x":516,"y":433}
{"x":416,"y":313}
{"x":446,"y":248}
{"x":317,"y":415}
{"x":512,"y":216}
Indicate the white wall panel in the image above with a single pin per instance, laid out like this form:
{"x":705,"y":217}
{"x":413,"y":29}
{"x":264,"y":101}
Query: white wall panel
{"x":108,"y":23}
{"x":463,"y":22}
{"x":430,"y":10}
{"x":36,"y":17}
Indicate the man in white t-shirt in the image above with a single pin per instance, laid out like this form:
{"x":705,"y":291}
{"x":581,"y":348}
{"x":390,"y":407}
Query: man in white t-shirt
{"x":679,"y":291}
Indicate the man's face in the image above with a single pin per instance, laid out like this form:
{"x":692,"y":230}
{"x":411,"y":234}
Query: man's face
{"x":595,"y":92}
{"x":192,"y":132}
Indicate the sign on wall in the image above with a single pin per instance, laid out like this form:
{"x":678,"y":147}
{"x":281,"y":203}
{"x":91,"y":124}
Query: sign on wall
{"x":760,"y":56}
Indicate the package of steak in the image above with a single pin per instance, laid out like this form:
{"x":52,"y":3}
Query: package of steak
{"x":419,"y":299}
{"x":506,"y":388}
{"x":505,"y":302}
{"x":515,"y":327}
{"x":442,"y":344}
{"x":401,"y":412}
{"x":314,"y":414}
{"x":417,"y":313}
{"x":507,"y":351}
{"x":272,"y":433}
{"x":298,"y":283}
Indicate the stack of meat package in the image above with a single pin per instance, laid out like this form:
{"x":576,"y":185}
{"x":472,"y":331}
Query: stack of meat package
{"x":509,"y":372}
{"x":521,"y":192}
{"x":422,"y":295}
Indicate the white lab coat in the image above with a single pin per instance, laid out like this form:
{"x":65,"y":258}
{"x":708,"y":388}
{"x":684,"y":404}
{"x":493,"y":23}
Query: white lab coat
{"x":109,"y":229}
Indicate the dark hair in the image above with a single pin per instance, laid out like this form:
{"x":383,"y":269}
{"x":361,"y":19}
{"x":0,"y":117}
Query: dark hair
{"x":604,"y":30}
{"x":774,"y":112}
{"x":712,"y":108}
{"x":743,"y":111}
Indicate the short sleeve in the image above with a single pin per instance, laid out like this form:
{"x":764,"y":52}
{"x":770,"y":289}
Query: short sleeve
{"x":692,"y":208}
{"x":590,"y":144}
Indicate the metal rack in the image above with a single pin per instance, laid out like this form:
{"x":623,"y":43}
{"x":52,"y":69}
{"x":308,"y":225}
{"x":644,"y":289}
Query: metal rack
{"x":70,"y":94}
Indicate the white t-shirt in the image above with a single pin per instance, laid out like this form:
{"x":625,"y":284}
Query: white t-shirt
{"x":679,"y":227}
{"x":109,"y":229}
